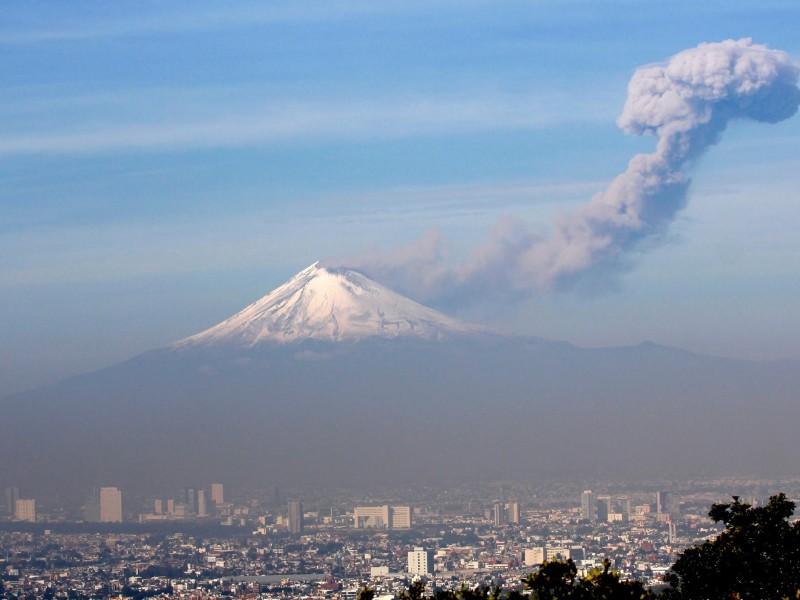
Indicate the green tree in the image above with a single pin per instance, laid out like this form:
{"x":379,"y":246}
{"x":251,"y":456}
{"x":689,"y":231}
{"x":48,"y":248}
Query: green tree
{"x":365,"y":593}
{"x":416,"y":591}
{"x":605,"y":584}
{"x":756,"y":557}
{"x":558,"y":580}
{"x":554,"y":580}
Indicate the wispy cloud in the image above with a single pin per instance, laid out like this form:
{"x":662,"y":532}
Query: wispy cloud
{"x":287,"y":120}
{"x":187,"y":17}
{"x":67,"y":252}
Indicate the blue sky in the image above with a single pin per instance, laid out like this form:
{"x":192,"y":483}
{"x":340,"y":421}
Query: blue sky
{"x":165,"y":164}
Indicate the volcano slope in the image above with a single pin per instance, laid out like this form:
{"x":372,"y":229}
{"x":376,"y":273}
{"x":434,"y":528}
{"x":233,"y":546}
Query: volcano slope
{"x":332,"y":379}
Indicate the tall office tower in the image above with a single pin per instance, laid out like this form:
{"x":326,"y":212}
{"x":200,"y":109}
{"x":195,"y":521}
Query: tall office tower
{"x":190,"y":499}
{"x":512,"y":512}
{"x":217,"y":494}
{"x":202,"y":505}
{"x":110,"y":505}
{"x":588,"y":508}
{"x":624,"y":504}
{"x":674,"y":505}
{"x":158,"y":506}
{"x":668,"y":503}
{"x":91,"y":508}
{"x":499,"y":514}
{"x":420,"y":561}
{"x":603,"y":508}
{"x":661,"y":501}
{"x":25,"y":510}
{"x":294,"y":520}
{"x":12,"y":495}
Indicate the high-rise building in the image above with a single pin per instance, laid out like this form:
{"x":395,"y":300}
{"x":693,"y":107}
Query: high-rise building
{"x":674,"y":505}
{"x":604,"y":508}
{"x":512,"y":512}
{"x":588,"y":508}
{"x":110,"y":505}
{"x":294,"y":517}
{"x":12,"y":495}
{"x":190,"y":499}
{"x":668,"y":503}
{"x":400,"y":517}
{"x":661,"y":501}
{"x":91,"y":508}
{"x":202,"y":504}
{"x":25,"y":509}
{"x":371,"y":517}
{"x":624,"y":504}
{"x":499,"y":514}
{"x":420,"y":562}
{"x":382,"y":517}
{"x":217,"y":494}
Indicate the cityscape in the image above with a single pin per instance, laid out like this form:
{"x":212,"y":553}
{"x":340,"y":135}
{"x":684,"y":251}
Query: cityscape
{"x":205,"y":542}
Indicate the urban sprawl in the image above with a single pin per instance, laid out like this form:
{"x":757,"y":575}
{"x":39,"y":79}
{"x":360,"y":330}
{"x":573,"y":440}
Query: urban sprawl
{"x":199,"y":543}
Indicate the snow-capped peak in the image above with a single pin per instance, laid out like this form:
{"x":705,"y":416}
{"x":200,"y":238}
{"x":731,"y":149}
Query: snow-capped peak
{"x":330,"y":304}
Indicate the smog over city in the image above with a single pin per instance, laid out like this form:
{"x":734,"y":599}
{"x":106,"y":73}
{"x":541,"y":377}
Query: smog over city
{"x":336,"y":279}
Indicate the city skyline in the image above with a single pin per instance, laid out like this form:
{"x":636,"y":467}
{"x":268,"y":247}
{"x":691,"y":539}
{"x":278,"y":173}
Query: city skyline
{"x":154,"y":186}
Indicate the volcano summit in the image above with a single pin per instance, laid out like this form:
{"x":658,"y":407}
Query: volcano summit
{"x":331,"y":305}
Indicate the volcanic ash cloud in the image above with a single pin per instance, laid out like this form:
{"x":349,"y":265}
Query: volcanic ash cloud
{"x":686,"y":103}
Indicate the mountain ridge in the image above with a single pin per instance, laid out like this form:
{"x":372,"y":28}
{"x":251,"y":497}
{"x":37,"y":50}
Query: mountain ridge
{"x":395,"y":407}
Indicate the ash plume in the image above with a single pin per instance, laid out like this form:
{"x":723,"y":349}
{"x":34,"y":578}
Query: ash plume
{"x":686,"y":102}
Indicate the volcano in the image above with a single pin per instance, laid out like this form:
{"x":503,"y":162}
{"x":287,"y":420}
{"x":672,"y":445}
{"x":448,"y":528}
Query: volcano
{"x":330,"y":305}
{"x":334,"y":379}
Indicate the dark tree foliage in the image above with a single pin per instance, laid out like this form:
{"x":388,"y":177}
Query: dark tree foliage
{"x":756,"y":557}
{"x":555,"y":580}
{"x":558,"y":580}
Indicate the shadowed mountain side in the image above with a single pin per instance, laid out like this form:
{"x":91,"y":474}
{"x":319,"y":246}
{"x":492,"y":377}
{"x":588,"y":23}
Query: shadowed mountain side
{"x":397,"y":410}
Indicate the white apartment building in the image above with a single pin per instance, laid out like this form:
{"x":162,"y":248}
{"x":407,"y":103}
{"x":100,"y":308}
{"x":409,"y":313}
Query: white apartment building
{"x":25,"y":509}
{"x":110,"y":505}
{"x":420,"y":562}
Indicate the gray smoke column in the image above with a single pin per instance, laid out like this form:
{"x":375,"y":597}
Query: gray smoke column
{"x":686,"y":103}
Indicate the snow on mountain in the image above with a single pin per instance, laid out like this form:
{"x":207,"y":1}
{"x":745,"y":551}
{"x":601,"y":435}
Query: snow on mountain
{"x":330,"y":304}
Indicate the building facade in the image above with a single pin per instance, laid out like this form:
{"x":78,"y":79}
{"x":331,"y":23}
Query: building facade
{"x":420,"y":562}
{"x":110,"y":505}
{"x":294,"y":517}
{"x":382,"y":517}
{"x":588,"y":508}
{"x":217,"y":493}
{"x":25,"y":510}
